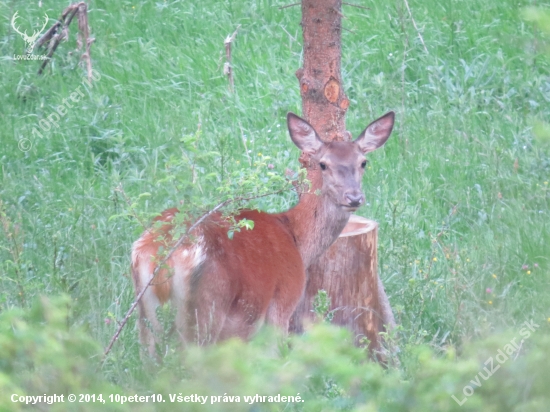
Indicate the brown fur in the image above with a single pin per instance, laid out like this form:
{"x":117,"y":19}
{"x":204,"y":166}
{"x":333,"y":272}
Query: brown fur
{"x":225,"y":287}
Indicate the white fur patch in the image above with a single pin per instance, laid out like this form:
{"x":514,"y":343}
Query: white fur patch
{"x":136,"y":247}
{"x":189,"y":259}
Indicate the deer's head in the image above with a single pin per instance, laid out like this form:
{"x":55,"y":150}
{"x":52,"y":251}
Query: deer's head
{"x":341,"y":164}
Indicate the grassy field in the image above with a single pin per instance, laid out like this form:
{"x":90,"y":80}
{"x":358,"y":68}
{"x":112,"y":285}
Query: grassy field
{"x":461,"y":190}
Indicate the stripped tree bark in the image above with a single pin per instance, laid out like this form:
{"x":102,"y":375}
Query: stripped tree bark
{"x":324,"y":102}
{"x":60,"y":31}
{"x":227,"y":67}
{"x":348,"y":270}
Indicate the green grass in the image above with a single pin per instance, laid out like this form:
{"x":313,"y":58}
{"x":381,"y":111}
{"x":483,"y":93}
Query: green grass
{"x":461,"y":190}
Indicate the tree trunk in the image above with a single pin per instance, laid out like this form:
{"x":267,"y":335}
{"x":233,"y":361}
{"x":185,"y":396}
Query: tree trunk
{"x":324,"y":103}
{"x":348,"y":269}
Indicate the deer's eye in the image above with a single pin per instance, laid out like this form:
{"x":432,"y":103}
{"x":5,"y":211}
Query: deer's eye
{"x":364,"y":164}
{"x":323,"y":166}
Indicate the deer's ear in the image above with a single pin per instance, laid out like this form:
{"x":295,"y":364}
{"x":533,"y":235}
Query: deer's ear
{"x":302,"y":134}
{"x":376,"y":133}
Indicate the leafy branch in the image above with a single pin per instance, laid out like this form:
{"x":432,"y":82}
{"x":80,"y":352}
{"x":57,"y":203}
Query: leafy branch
{"x":185,"y":236}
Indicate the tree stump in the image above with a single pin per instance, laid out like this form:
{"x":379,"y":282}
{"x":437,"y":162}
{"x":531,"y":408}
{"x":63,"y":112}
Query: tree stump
{"x":348,"y":272}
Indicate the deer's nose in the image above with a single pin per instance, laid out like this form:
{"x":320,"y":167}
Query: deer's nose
{"x":354,"y":198}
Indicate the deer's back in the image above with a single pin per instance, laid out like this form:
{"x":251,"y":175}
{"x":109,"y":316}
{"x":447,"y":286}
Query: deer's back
{"x":239,"y":277}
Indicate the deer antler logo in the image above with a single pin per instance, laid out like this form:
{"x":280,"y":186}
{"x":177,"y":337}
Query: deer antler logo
{"x":30,"y":40}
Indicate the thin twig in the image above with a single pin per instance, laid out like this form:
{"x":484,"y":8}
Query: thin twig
{"x":194,"y":163}
{"x":46,"y":37}
{"x":120,"y":189}
{"x":84,"y":39}
{"x":289,"y":35}
{"x":168,"y":255}
{"x":356,"y":5}
{"x":244,"y":143}
{"x":55,"y":35}
{"x":156,"y":271}
{"x":519,"y":350}
{"x":290,"y":38}
{"x":351,"y":31}
{"x":227,"y":68}
{"x":60,"y":30}
{"x":416,"y":27}
{"x":289,"y":5}
{"x":338,"y":12}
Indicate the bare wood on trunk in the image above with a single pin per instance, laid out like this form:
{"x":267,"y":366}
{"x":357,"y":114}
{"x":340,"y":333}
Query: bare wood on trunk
{"x":324,"y":102}
{"x":227,"y":67}
{"x":60,"y":31}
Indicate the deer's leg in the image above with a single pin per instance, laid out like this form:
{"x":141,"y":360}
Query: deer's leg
{"x":243,"y":319}
{"x":202,"y":316}
{"x":150,"y":328}
{"x":284,"y":302}
{"x":279,"y":316}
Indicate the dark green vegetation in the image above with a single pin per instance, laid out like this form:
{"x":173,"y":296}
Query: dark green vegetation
{"x":461,"y":192}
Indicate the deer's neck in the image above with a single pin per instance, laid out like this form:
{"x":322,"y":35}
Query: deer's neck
{"x":316,"y":221}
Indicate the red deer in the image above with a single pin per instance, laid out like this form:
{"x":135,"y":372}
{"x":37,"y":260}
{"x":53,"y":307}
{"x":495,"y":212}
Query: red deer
{"x":225,"y":287}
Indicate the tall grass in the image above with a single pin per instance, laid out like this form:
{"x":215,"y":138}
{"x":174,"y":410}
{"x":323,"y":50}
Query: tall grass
{"x":461,"y":190}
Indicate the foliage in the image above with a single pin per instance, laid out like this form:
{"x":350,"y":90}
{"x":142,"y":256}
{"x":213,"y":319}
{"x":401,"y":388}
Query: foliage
{"x":41,"y":354}
{"x":541,"y":18}
{"x":321,"y":306}
{"x":461,"y":193}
